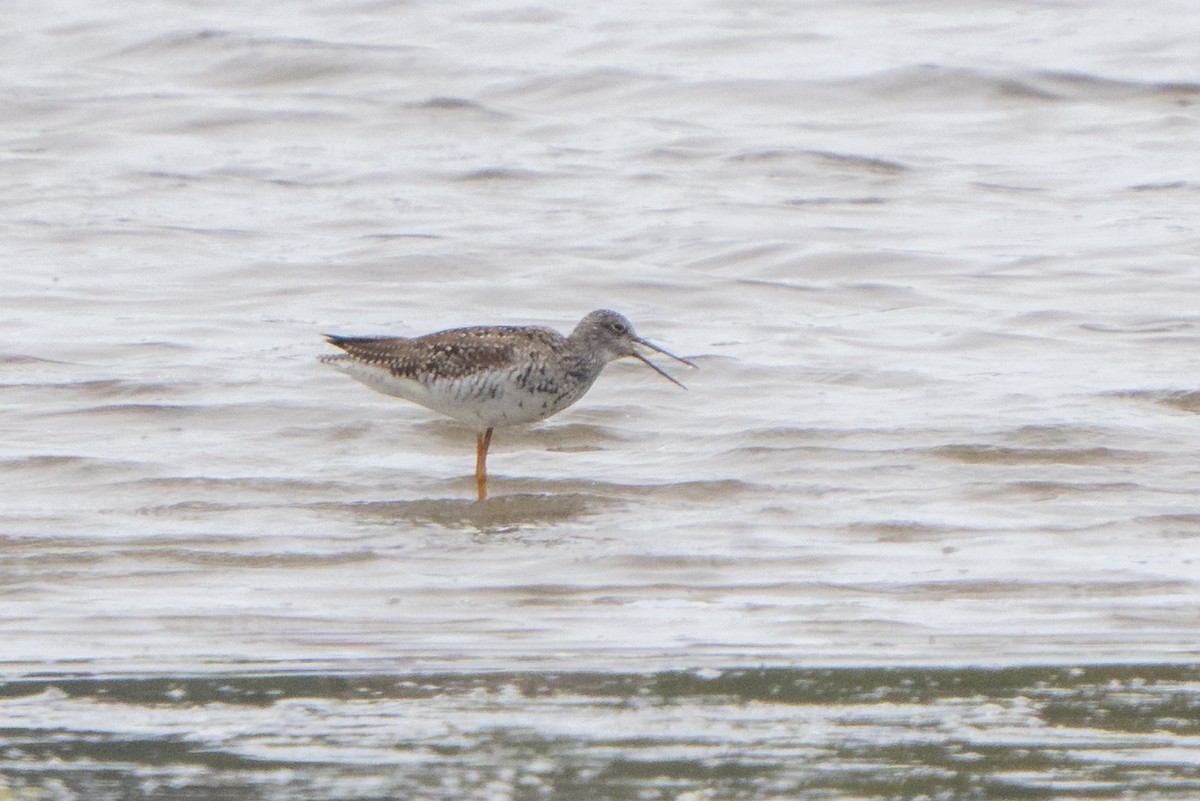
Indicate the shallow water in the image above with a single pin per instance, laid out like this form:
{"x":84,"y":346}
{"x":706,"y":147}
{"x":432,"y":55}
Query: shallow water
{"x":936,"y":263}
{"x":841,"y":733}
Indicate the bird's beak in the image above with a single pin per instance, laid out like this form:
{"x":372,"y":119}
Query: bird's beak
{"x":654,"y":366}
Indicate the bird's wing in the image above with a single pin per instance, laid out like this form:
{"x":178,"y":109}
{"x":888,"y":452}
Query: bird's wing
{"x":450,"y":355}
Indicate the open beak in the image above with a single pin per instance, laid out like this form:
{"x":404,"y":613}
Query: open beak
{"x":654,"y":366}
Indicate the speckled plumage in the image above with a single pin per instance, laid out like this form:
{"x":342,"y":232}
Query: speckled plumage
{"x":492,"y":376}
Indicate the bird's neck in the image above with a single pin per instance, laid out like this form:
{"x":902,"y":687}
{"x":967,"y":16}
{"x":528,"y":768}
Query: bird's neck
{"x":585,"y":361}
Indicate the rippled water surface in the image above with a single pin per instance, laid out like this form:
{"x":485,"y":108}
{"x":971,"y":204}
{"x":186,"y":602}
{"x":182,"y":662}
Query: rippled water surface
{"x":849,"y":733}
{"x":937,"y":264}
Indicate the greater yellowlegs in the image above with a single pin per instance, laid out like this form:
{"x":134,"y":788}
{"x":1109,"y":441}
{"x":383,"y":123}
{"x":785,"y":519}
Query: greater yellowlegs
{"x":496,"y":375}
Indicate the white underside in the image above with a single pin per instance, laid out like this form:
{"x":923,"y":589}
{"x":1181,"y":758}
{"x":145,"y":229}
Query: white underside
{"x":467,"y":400}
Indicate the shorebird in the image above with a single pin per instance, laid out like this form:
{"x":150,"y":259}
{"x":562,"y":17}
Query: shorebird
{"x":493,"y":376}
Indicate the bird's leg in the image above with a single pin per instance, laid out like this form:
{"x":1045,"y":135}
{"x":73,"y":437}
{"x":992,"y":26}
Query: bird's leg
{"x":482,"y":440}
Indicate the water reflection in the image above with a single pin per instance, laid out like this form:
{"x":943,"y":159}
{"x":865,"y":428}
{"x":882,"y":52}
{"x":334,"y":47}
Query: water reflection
{"x":498,"y":513}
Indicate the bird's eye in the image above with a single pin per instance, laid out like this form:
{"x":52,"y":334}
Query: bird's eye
{"x":618,"y":327}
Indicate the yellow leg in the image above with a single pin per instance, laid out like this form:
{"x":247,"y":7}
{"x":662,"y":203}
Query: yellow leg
{"x":482,"y":441}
